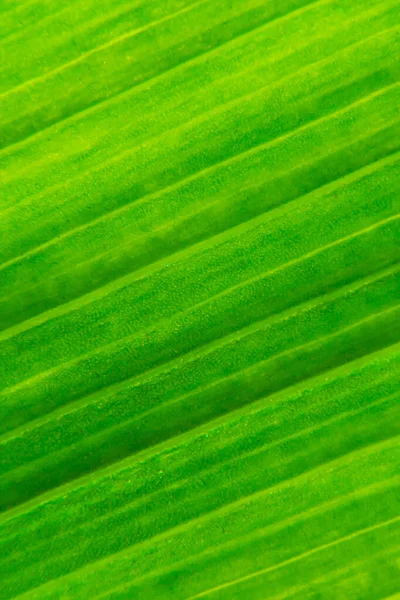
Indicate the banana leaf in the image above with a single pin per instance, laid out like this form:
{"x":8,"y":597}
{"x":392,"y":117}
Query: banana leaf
{"x":200,"y":299}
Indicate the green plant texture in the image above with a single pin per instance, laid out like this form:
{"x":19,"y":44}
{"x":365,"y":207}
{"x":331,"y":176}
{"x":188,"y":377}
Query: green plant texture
{"x":200,"y":299}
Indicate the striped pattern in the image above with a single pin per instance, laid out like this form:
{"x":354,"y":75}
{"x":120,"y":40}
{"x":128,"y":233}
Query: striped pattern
{"x":199,"y":299}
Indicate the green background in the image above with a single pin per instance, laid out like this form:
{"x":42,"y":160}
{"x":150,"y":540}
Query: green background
{"x":199,"y":299}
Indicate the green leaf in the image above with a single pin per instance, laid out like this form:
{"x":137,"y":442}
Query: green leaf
{"x":199,"y":299}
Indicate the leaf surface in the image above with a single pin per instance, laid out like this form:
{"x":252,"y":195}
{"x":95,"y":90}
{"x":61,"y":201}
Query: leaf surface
{"x":199,"y":299}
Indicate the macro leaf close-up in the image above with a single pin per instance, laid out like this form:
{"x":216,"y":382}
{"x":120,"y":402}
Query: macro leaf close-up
{"x":200,"y":299}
